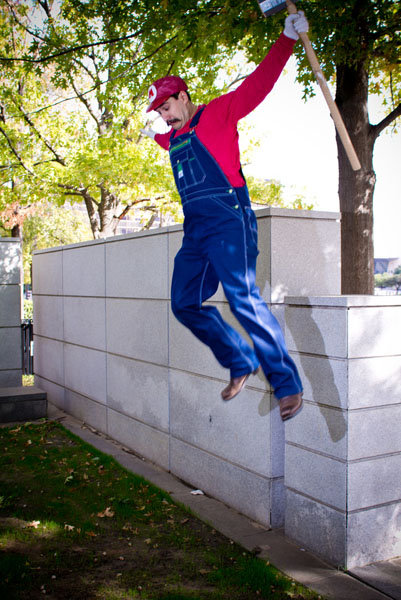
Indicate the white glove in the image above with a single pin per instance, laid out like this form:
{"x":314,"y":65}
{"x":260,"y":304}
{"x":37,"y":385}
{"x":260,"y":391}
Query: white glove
{"x":149,"y":132}
{"x":295,"y":24}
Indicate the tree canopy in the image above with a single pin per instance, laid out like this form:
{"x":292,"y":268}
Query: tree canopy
{"x":105,"y":53}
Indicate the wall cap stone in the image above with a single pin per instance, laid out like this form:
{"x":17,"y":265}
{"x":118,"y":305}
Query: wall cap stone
{"x":351,"y":301}
{"x":270,"y":211}
{"x":10,"y":240}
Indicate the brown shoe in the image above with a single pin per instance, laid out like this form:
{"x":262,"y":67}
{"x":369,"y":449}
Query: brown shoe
{"x":290,"y":406}
{"x":235,"y":386}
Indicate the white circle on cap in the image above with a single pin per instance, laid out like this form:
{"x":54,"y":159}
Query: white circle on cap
{"x":152,"y":93}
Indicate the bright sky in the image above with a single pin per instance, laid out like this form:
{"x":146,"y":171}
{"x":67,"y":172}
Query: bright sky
{"x":299,"y":149}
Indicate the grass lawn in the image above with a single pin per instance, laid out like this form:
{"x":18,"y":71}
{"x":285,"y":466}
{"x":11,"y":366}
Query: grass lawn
{"x":74,"y":524}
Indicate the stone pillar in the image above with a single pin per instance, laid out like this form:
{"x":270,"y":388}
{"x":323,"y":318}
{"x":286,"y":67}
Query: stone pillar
{"x":10,"y":312}
{"x":343,"y":451}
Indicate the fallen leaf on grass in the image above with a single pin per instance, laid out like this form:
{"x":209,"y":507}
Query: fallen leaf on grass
{"x":69,"y":527}
{"x":33,"y":524}
{"x":107,"y":512}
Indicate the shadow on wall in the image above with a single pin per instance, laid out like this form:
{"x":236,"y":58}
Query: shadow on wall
{"x":317,"y":369}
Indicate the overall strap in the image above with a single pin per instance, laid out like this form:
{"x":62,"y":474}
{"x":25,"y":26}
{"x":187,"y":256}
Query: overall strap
{"x":194,"y":121}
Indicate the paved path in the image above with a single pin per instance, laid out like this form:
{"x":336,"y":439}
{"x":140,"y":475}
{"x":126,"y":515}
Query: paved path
{"x":378,"y":581}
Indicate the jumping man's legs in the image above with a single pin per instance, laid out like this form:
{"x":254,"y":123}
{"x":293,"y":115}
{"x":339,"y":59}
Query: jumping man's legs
{"x":194,"y":281}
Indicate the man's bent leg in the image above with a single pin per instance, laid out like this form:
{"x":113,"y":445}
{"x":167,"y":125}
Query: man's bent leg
{"x":234,"y":260}
{"x":195,"y":280}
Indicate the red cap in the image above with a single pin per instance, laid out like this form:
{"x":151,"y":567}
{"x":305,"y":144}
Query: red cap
{"x":163,"y":88}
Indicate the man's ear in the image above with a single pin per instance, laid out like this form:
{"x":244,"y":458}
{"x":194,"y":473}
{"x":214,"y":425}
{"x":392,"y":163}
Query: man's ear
{"x":183,"y":96}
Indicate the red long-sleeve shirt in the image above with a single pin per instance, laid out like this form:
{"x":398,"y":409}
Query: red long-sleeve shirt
{"x":217,"y":127}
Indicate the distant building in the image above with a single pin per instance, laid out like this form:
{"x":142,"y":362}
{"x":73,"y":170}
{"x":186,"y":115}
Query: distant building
{"x":386,"y":265}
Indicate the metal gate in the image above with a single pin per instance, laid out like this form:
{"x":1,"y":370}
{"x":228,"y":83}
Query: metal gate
{"x":27,"y":346}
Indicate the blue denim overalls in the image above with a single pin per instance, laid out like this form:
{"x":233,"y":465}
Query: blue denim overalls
{"x":220,"y":245}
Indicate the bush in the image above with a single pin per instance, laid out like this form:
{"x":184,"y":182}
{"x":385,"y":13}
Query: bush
{"x":28,"y":309}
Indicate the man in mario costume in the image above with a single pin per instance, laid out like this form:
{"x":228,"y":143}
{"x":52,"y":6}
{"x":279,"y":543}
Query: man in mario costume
{"x":220,"y":231}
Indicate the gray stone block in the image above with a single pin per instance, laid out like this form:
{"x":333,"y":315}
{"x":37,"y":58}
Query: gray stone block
{"x":49,"y":317}
{"x":247,"y":492}
{"x":263,"y":267}
{"x":137,"y":267}
{"x":49,"y":359}
{"x":277,"y":502}
{"x":317,"y":476}
{"x":87,"y":410}
{"x":374,"y":381}
{"x":85,"y":322}
{"x":277,"y":435}
{"x":174,"y":244}
{"x":374,"y":534}
{"x":10,"y":261}
{"x":146,"y":441}
{"x":320,"y":428}
{"x":325,"y":380}
{"x":314,"y":270}
{"x":316,"y":527}
{"x":381,"y":323}
{"x":55,"y":393}
{"x":10,"y":378}
{"x":139,"y":390}
{"x":316,"y":330}
{"x":22,"y":404}
{"x":84,"y":269}
{"x":10,"y":306}
{"x":138,"y":329}
{"x":374,"y":432}
{"x":189,"y":354}
{"x":47,"y":269}
{"x":85,"y":372}
{"x":373,"y":482}
{"x":10,"y":348}
{"x":235,"y":431}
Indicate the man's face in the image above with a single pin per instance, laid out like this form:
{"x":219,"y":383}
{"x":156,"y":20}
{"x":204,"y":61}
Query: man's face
{"x":175,"y":112}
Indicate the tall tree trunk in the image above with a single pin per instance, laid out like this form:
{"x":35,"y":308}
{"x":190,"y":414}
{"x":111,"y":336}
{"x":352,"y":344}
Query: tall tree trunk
{"x":109,"y":204}
{"x":16,"y":231}
{"x":356,"y":187}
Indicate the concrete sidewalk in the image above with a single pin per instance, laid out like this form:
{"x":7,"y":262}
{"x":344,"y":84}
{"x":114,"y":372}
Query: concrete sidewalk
{"x":374,"y":582}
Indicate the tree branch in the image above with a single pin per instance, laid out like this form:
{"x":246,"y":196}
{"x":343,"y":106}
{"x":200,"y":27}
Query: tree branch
{"x":378,"y":128}
{"x":105,"y":81}
{"x":85,"y":103}
{"x":69,"y":50}
{"x":24,"y":27}
{"x":13,"y":150}
{"x":58,"y":158}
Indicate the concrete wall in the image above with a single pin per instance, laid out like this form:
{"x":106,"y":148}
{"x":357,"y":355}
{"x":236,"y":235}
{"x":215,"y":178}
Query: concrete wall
{"x":343,"y":452}
{"x":10,"y":312}
{"x":109,"y":351}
